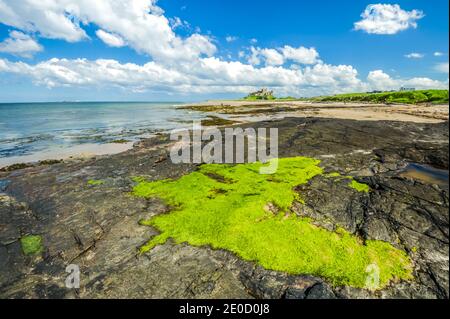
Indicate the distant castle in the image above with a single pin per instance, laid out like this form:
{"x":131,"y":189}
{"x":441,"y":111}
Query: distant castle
{"x":263,"y":94}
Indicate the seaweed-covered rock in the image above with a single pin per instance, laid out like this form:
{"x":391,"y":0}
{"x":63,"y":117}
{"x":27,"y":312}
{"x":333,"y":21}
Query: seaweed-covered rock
{"x":96,"y":225}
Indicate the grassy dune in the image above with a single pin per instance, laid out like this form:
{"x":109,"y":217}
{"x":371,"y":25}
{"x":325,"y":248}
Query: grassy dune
{"x":411,"y":97}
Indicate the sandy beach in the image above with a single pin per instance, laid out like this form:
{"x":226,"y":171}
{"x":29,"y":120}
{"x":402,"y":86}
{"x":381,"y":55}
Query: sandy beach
{"x":246,"y":110}
{"x":74,"y":152}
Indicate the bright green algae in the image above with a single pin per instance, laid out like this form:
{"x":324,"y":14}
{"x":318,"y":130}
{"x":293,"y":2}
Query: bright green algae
{"x":234,"y":207}
{"x":360,"y":187}
{"x":31,"y":244}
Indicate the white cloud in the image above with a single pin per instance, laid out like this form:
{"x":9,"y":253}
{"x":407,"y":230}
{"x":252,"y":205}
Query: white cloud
{"x":422,"y":83}
{"x":231,"y":38}
{"x":271,"y":56}
{"x":387,"y":19}
{"x":280,"y":56}
{"x":49,"y":18}
{"x":378,"y":80}
{"x":253,"y":41}
{"x":441,"y":67}
{"x":301,"y":54}
{"x":176,"y":23}
{"x":254,"y":57}
{"x":178,"y":65}
{"x":110,"y":39}
{"x":140,"y":23}
{"x":414,"y":55}
{"x":437,"y":53}
{"x":20,"y":44}
{"x":208,"y":75}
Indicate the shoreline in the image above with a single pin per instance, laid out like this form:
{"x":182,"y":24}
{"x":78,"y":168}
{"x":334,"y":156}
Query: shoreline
{"x":222,"y":113}
{"x":76,"y":152}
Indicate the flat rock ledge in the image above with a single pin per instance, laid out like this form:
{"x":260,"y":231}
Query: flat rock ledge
{"x":96,"y":225}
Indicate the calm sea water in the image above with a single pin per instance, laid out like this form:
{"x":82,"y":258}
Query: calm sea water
{"x":28,"y":128}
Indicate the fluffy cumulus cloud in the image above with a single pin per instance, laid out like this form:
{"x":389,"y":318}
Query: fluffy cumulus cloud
{"x":20,"y":44}
{"x":387,"y":19}
{"x":269,"y":56}
{"x":207,"y":75}
{"x":140,"y":23}
{"x":438,"y":53}
{"x":282,"y":55}
{"x":300,"y":55}
{"x":378,"y":80}
{"x":176,"y":64}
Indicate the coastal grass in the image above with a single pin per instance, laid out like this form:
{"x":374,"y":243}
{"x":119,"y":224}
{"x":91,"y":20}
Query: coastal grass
{"x":31,"y":244}
{"x":402,"y":97}
{"x":233,"y":207}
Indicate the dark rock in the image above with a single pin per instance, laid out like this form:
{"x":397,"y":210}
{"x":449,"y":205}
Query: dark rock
{"x":320,"y":291}
{"x":98,"y":227}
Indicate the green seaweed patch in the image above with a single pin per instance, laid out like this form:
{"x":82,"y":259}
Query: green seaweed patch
{"x":31,"y":244}
{"x":333,"y":174}
{"x":95,"y":182}
{"x":15,"y":167}
{"x":120,"y":141}
{"x":50,"y":162}
{"x":252,"y":217}
{"x":217,"y":121}
{"x":360,"y":187}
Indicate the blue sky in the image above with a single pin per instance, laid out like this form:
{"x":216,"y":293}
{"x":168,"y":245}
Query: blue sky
{"x":326,"y":25}
{"x":214,"y":67}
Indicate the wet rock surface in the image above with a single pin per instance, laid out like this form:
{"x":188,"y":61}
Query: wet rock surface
{"x":96,"y":225}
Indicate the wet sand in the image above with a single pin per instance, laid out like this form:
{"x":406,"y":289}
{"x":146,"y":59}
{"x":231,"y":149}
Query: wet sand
{"x":74,"y":152}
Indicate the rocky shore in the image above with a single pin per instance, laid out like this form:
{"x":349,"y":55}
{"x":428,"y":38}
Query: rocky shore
{"x":84,"y":214}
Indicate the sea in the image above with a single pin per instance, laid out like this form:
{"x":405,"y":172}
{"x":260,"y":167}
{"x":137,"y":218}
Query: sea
{"x":39,"y":130}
